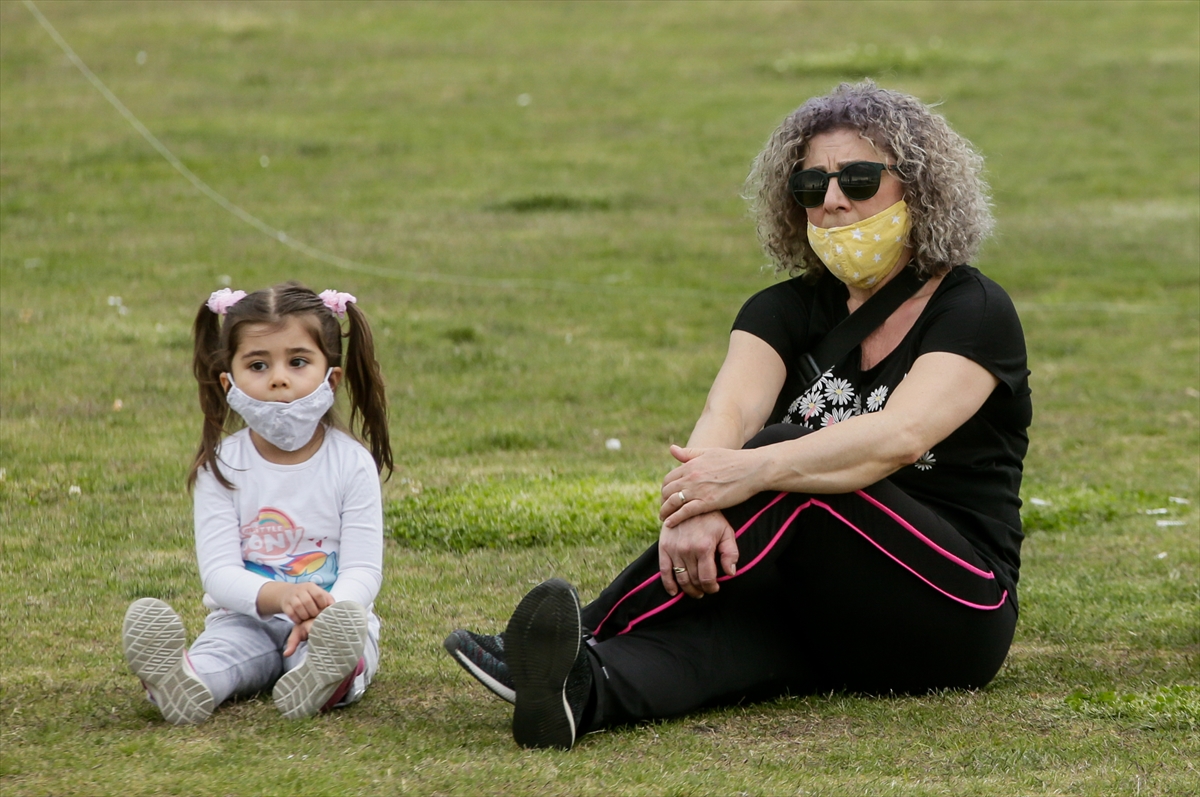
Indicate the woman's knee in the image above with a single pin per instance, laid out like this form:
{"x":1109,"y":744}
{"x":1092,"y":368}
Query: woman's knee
{"x":776,"y":433}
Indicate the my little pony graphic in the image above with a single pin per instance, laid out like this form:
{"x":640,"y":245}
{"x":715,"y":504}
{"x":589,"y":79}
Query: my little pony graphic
{"x":269,"y":544}
{"x":316,"y":566}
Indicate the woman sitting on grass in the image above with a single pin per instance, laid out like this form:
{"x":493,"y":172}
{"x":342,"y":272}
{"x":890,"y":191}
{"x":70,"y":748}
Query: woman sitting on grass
{"x":858,"y":532}
{"x":289,"y":519}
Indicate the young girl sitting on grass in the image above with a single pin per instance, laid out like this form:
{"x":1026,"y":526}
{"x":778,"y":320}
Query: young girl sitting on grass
{"x":288,"y":513}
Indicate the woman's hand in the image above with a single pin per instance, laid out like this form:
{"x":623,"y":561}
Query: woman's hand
{"x":709,"y":479}
{"x":694,"y":545}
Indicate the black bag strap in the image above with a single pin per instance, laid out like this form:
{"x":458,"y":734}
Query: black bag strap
{"x":853,"y":329}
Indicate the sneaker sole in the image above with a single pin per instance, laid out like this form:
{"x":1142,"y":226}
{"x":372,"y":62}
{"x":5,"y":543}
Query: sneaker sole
{"x":495,"y":687}
{"x":154,"y":640}
{"x":336,"y":642}
{"x":541,"y":644}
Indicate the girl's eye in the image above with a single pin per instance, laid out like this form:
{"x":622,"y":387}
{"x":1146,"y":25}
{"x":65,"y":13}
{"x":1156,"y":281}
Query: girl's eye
{"x":299,"y":362}
{"x":258,"y":366}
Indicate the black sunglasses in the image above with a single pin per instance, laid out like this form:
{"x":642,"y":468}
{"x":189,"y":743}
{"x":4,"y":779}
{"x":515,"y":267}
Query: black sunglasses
{"x":858,"y":181}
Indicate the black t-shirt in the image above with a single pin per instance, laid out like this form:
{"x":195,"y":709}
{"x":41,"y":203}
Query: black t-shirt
{"x":971,"y":478}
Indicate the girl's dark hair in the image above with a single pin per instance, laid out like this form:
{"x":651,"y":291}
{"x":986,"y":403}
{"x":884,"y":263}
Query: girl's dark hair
{"x":217,"y":342}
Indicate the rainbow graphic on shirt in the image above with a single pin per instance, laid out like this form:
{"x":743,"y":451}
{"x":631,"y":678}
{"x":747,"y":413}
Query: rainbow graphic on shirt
{"x":271,"y":547}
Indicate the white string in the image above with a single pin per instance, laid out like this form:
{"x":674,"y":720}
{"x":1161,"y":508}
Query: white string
{"x":312,"y":251}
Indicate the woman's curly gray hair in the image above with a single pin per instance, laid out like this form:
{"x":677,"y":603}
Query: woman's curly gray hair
{"x":947,"y":197}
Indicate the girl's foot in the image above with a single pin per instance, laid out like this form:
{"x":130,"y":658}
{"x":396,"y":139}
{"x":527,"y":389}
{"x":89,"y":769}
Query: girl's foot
{"x":549,"y":666}
{"x":154,"y":637}
{"x":335,"y":648}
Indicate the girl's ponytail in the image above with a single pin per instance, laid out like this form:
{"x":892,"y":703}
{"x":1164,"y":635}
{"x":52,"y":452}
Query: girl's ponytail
{"x":206,"y":366}
{"x":367,"y":396}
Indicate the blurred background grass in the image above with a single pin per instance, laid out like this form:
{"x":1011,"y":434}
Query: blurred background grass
{"x":546,"y":199}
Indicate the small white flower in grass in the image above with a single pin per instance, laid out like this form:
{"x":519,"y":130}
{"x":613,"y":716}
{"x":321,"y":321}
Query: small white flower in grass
{"x":74,"y":490}
{"x":264,"y":161}
{"x":225,"y":280}
{"x":1156,"y":511}
{"x":1039,"y":502}
{"x":118,"y":405}
{"x":524,"y":100}
{"x":140,"y":58}
{"x":114,"y":301}
{"x":1162,"y":524}
{"x":612,"y":444}
{"x":876,"y":400}
{"x":3,"y":474}
{"x":1162,"y":555}
{"x":1174,"y":499}
{"x":839,"y":391}
{"x":926,"y":461}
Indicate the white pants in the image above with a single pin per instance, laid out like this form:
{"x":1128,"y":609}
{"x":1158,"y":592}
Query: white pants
{"x":238,"y":655}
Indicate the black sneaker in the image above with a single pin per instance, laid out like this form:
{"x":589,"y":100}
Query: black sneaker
{"x":549,"y":666}
{"x":482,"y":655}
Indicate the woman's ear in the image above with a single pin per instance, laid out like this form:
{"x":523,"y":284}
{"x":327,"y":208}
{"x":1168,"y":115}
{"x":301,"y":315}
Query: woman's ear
{"x":335,"y":377}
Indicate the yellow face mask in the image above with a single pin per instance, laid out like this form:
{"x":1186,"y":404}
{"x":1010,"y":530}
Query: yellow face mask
{"x":862,"y":254}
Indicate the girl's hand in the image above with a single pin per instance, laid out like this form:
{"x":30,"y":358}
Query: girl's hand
{"x":709,"y":479}
{"x":300,"y":602}
{"x":298,"y":635}
{"x":694,"y":545}
{"x":304,"y":602}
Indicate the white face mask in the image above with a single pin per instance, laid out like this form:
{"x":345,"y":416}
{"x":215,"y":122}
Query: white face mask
{"x":285,"y":425}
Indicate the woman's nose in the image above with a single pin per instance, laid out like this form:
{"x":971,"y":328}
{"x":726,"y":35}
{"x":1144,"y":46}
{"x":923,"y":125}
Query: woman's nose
{"x":834,"y":198}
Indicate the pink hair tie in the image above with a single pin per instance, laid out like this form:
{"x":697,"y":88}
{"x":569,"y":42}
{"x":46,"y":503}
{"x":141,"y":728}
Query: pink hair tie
{"x":336,"y":301}
{"x":220,"y":301}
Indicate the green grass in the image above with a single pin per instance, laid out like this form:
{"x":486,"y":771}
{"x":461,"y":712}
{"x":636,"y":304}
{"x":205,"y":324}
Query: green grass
{"x":544,"y":277}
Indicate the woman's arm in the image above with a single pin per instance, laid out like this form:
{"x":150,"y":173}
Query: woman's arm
{"x":742,"y":396}
{"x":738,"y":404}
{"x":940,"y":393}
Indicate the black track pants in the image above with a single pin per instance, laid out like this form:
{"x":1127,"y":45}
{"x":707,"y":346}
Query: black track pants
{"x":867,"y":591}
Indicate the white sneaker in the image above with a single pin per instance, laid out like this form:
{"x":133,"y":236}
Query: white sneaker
{"x":154,"y":638}
{"x":336,"y":643}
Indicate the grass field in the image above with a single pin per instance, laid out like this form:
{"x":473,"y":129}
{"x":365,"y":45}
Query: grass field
{"x":541,"y":206}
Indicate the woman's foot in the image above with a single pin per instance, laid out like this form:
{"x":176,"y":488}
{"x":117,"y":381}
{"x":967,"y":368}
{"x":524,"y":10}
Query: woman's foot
{"x":482,"y":655}
{"x":550,"y":671}
{"x":336,"y":643}
{"x":154,"y":638}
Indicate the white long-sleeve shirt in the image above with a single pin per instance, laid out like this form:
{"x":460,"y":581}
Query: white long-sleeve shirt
{"x":318,"y":521}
